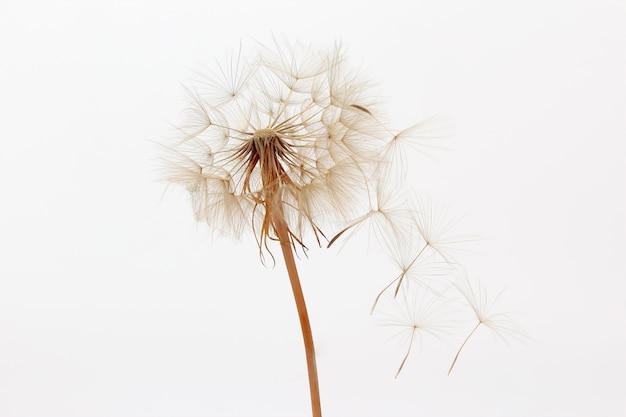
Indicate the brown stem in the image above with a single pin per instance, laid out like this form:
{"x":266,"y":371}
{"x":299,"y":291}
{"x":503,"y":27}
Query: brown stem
{"x":283,"y":235}
{"x":267,"y":150}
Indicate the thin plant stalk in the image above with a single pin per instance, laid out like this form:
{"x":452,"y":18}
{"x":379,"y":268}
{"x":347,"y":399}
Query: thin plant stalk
{"x":462,"y":346}
{"x":399,"y":279}
{"x":305,"y":325}
{"x":266,"y":151}
{"x":408,"y":351}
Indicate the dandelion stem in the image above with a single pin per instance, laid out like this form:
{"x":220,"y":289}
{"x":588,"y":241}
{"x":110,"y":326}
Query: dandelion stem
{"x":462,"y":346}
{"x":283,"y":235}
{"x":269,"y":152}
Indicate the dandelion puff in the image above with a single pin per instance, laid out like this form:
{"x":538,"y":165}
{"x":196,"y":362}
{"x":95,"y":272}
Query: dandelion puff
{"x":198,"y":116}
{"x":416,"y":313}
{"x":255,"y":111}
{"x":424,"y":242}
{"x":228,"y":80}
{"x":422,"y":268}
{"x":420,"y":137}
{"x":387,"y":220}
{"x":500,"y":324}
{"x":437,"y":231}
{"x":341,"y":180}
{"x":296,"y":65}
{"x":415,"y":264}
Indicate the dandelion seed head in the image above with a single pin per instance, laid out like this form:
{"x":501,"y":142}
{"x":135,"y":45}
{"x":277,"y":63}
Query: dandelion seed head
{"x":290,"y":125}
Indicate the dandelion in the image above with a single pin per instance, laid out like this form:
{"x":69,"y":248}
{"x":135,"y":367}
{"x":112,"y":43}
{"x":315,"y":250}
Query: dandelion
{"x":427,"y":252}
{"x":286,"y":145}
{"x":290,"y":146}
{"x":418,"y":312}
{"x":500,"y":324}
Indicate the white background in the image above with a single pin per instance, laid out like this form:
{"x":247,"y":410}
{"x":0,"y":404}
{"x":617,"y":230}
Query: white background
{"x":113,"y":302}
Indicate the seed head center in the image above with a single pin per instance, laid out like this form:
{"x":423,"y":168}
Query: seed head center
{"x":265,"y":136}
